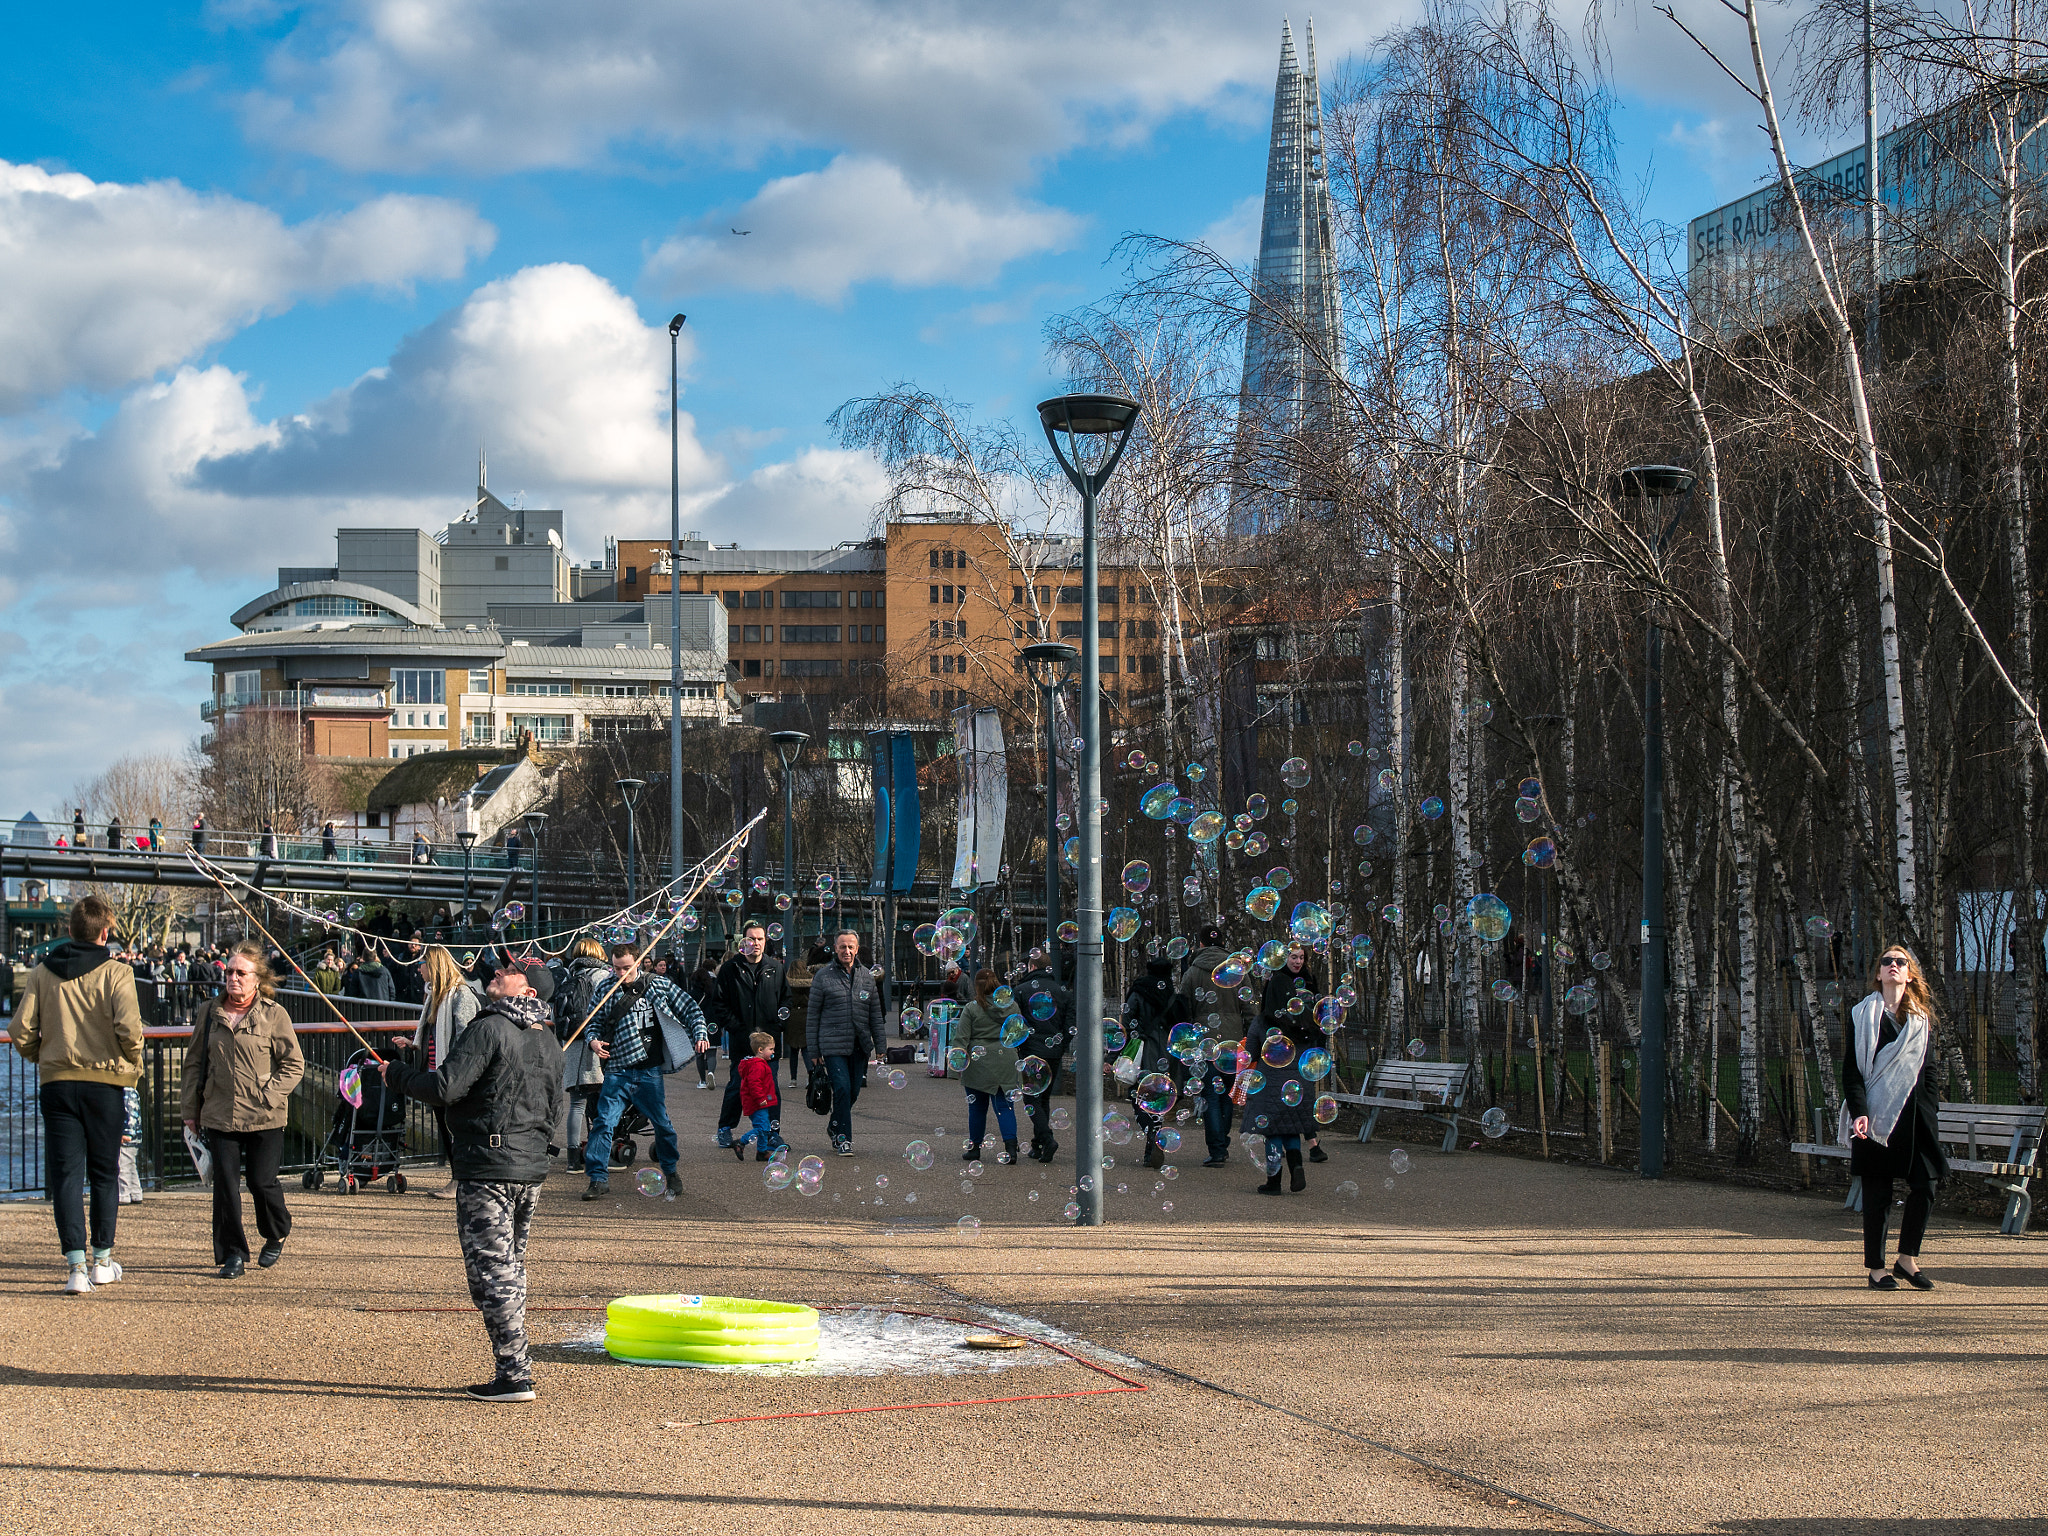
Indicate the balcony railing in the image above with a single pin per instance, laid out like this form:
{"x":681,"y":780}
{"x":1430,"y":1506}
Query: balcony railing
{"x":364,"y":700}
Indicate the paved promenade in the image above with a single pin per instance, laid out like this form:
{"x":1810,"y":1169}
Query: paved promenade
{"x":1490,"y":1345}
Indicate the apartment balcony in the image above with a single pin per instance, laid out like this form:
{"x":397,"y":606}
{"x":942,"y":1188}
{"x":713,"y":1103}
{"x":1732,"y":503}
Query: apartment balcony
{"x":326,"y":701}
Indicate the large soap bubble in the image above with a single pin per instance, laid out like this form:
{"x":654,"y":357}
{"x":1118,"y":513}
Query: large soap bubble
{"x":1494,"y":1123}
{"x":1262,"y":902}
{"x":1137,"y":877}
{"x":1206,"y":828}
{"x":1432,"y":807}
{"x":1488,"y":917}
{"x":1121,"y":923}
{"x":1540,"y":854}
{"x":1277,"y":1050}
{"x":1154,"y":1093}
{"x":1310,"y":922}
{"x":1294,"y":772}
{"x":1156,"y":803}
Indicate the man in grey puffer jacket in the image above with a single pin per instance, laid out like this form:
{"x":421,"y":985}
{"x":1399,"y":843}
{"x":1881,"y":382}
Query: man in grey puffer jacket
{"x":502,"y":1088}
{"x":843,"y":1027}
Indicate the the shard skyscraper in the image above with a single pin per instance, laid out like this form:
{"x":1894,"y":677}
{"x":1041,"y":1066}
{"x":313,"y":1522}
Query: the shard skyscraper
{"x":1291,"y":336}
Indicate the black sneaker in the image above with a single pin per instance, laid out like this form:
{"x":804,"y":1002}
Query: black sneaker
{"x":1216,"y":1160}
{"x":500,"y":1391}
{"x":596,"y":1191}
{"x":843,"y":1146}
{"x":1318,"y":1155}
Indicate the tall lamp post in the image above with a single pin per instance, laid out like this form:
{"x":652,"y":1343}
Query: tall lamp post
{"x":536,"y":822}
{"x":629,"y":791}
{"x":1051,"y":663}
{"x":789,"y":745}
{"x":1654,"y":482}
{"x":466,"y":837}
{"x":675,"y":613}
{"x":1096,"y":428}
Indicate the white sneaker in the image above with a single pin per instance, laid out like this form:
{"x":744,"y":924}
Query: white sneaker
{"x":78,"y":1283}
{"x":105,"y":1274}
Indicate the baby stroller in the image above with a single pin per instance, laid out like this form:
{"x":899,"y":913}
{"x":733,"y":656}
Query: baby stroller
{"x":631,"y":1123}
{"x":365,"y":1141}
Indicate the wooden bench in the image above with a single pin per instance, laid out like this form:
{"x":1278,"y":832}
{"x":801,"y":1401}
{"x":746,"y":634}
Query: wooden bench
{"x":2002,"y":1142}
{"x":1433,"y":1089}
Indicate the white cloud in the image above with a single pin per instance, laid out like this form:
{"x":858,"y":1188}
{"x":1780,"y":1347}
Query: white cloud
{"x":551,"y":366}
{"x":953,"y":89}
{"x":857,"y":220}
{"x":104,"y":283}
{"x":1235,"y":236}
{"x":817,"y":499}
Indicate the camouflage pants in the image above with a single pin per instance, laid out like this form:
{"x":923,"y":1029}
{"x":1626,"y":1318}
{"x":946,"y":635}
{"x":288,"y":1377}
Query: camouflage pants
{"x":492,"y":1221}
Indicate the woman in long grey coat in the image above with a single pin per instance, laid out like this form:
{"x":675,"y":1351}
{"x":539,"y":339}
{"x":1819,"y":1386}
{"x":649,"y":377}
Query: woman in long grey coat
{"x":991,"y":1074}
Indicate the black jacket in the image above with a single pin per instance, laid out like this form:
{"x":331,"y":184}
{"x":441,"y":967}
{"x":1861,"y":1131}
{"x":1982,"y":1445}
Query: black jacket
{"x":1049,"y":1038}
{"x":370,"y":980}
{"x":502,"y":1088}
{"x":1151,"y":1009}
{"x":1913,"y":1150}
{"x":748,"y":995}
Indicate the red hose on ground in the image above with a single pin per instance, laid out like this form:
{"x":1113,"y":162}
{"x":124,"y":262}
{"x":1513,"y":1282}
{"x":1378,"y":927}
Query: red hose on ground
{"x":1127,"y":1385}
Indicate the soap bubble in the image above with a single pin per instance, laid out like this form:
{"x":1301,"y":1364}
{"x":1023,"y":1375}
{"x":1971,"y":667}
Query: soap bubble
{"x":1154,"y":1094}
{"x":1177,"y":947}
{"x":1398,"y":1160}
{"x":1432,"y":807}
{"x":1581,"y":999}
{"x":1014,"y":1030}
{"x":1137,"y":876}
{"x":1417,"y":1049}
{"x":919,"y":1155}
{"x":1294,"y":772}
{"x":1121,"y":923}
{"x":1255,"y":807}
{"x":1117,"y":1127}
{"x":1831,"y":995}
{"x":1230,"y":973}
{"x":1487,"y":916}
{"x":1494,"y":1123}
{"x":1361,"y":950}
{"x":1530,"y":789}
{"x":1330,"y":1012}
{"x":1184,"y":1042}
{"x":1600,"y":960}
{"x":649,"y":1181}
{"x":1391,"y":914}
{"x":1069,"y":932}
{"x":777,"y":1175}
{"x":898,"y":1078}
{"x":1070,"y":852}
{"x":1254,"y":1080}
{"x":1277,"y":1050}
{"x":968,"y":1226}
{"x":1315,"y":1064}
{"x":1819,"y":927}
{"x":1504,"y":991}
{"x":1540,"y":854}
{"x":1362,"y":834}
{"x":925,"y":938}
{"x":912,"y":1016}
{"x":1112,"y":1035}
{"x":974,"y":1168}
{"x":1071,"y":1210}
{"x":1310,"y":922}
{"x":1325,"y":1109}
{"x":1169,"y":1141}
{"x":349,"y":1084}
{"x":812,"y":1167}
{"x":1061,"y":1118}
{"x":1480,"y":711}
{"x":1041,"y":1006}
{"x":1385,"y":780}
{"x":1206,"y":828}
{"x":1562,"y":952}
{"x":1529,"y":810}
{"x":1156,"y":803}
{"x":947,"y":942}
{"x":956,"y":1059}
{"x":1254,"y":844}
{"x":1272,"y":955}
{"x":355,"y":909}
{"x":1262,"y":902}
{"x":1290,"y":1092}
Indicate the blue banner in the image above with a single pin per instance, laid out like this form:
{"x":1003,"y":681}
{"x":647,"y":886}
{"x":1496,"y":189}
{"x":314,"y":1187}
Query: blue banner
{"x":878,"y":774}
{"x":905,"y":817}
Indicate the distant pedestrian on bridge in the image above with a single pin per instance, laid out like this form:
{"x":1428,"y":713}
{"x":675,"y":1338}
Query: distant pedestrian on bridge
{"x":269,"y":841}
{"x":114,"y":834}
{"x":79,"y":1022}
{"x":78,"y":827}
{"x":420,"y":852}
{"x":156,"y":834}
{"x":199,"y":834}
{"x":327,"y":848}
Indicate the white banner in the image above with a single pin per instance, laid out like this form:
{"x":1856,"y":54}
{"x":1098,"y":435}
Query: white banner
{"x":983,"y":772}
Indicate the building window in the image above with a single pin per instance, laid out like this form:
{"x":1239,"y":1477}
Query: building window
{"x":810,"y":634}
{"x":935,"y":595}
{"x":732,"y":634}
{"x":867,"y":634}
{"x":751,"y":600}
{"x":823,"y":667}
{"x":504,"y":563}
{"x":879,"y":637}
{"x":1070,"y":594}
{"x":1105,"y":663}
{"x":418,"y":686}
{"x":632,"y":574}
{"x":732,"y":599}
{"x":1345,"y":643}
{"x":867,"y":599}
{"x":1141,"y":629}
{"x":539,"y":690}
{"x":955,"y":596}
{"x":751,"y":634}
{"x":810,"y":599}
{"x":1148,"y":663}
{"x":935,"y":666}
{"x":935,"y":705}
{"x":935,"y":558}
{"x":617,"y":690}
{"x":960,"y":558}
{"x":241,"y":685}
{"x":753,"y":668}
{"x":935,"y":629}
{"x":480,"y":682}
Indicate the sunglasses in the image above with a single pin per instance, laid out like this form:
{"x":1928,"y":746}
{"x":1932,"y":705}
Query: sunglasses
{"x":1898,"y":960}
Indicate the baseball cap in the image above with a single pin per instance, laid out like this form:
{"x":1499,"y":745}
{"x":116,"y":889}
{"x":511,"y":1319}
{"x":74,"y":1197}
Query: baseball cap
{"x":536,"y":974}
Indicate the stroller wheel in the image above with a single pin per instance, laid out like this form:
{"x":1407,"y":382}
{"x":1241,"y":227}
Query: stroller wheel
{"x":396,"y":1184}
{"x":311,"y":1180}
{"x":623,"y":1152}
{"x":348,"y":1184}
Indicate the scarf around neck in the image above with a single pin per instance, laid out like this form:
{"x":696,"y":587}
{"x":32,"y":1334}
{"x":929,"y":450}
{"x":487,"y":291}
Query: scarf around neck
{"x":1889,"y":1075}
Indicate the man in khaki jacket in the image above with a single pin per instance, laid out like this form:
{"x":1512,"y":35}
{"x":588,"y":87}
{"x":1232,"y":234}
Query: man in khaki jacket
{"x":79,"y":1023}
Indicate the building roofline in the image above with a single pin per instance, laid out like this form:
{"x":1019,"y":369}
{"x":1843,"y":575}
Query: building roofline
{"x":414,"y":615}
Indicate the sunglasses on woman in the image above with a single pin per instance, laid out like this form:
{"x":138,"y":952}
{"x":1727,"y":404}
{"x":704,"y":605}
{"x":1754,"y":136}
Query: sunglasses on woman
{"x":1895,"y":960}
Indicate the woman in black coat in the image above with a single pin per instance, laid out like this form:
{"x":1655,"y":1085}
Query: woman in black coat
{"x":1286,"y":1014}
{"x":1891,"y":1113}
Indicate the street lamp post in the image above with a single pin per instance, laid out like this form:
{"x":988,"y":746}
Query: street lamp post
{"x":466,"y":837}
{"x":1654,"y":482}
{"x":1097,"y":427}
{"x":789,"y":745}
{"x":629,"y":791}
{"x":675,"y":612}
{"x":1051,"y":663}
{"x":536,"y":822}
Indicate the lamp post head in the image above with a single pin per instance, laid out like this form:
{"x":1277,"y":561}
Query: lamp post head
{"x":675,"y":326}
{"x":535,"y":820}
{"x":1109,"y":417}
{"x":466,"y":837}
{"x":1653,"y":480}
{"x":629,"y":790}
{"x":1051,"y":661}
{"x":788,"y":745}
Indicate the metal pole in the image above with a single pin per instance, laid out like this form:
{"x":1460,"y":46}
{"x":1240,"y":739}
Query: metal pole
{"x":789,"y":836}
{"x":675,"y":610}
{"x":632,"y":858}
{"x":1873,"y":352}
{"x":467,"y":846}
{"x":1052,"y":835}
{"x":1088,"y":949}
{"x":534,"y":917}
{"x":1651,"y":1082}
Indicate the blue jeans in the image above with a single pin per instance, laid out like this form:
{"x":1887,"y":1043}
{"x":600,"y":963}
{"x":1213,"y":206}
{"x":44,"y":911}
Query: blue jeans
{"x":640,"y":1087}
{"x":839,"y":1071}
{"x":1216,"y":1113}
{"x":1275,"y":1146}
{"x":764,"y":1134}
{"x":977,"y":1115}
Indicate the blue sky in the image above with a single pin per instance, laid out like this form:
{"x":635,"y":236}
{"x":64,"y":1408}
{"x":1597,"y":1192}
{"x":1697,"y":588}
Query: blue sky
{"x":270,"y":268}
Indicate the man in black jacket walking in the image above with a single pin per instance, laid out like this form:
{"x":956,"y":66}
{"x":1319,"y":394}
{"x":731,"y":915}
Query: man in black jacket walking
{"x":502,"y":1089}
{"x":750,"y":992}
{"x":1039,"y":994}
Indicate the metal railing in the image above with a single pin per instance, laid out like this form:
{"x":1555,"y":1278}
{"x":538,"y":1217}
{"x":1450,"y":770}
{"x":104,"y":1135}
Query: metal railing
{"x":369,"y":700}
{"x":162,"y":1159}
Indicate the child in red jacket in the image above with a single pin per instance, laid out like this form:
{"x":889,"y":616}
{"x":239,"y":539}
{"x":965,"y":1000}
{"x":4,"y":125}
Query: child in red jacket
{"x":758,"y":1101}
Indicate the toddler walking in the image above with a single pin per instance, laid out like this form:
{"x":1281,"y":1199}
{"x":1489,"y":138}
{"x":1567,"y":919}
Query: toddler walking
{"x":758,"y":1099}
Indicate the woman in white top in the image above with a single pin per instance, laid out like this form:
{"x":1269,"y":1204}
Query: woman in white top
{"x":1891,"y":1113}
{"x":450,"y":1004}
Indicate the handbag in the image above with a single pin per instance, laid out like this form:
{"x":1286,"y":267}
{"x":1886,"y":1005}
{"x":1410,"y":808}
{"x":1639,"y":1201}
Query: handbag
{"x":899,"y":1055}
{"x":202,"y":1160}
{"x":818,"y":1094}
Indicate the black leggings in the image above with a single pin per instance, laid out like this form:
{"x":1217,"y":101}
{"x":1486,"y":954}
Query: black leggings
{"x":1877,"y":1207}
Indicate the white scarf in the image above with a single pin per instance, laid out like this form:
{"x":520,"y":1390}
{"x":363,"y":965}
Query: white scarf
{"x":1888,"y":1075}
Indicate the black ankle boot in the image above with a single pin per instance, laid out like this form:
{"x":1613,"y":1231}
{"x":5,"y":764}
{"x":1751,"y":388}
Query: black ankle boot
{"x":1299,"y":1180}
{"x":1271,"y":1186}
{"x":970,"y":1151}
{"x":1009,"y":1156}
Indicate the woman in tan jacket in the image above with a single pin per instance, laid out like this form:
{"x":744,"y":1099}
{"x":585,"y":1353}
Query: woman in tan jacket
{"x":240,"y":1070}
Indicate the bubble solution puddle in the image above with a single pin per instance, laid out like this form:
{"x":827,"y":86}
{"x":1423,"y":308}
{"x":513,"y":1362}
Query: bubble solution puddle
{"x":877,"y":1342}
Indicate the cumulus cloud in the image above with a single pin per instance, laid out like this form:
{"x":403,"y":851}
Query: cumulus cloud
{"x":551,"y":367}
{"x":106,"y":283}
{"x":1235,"y":236}
{"x":814,"y":500}
{"x":948,"y":89}
{"x":855,"y":221}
